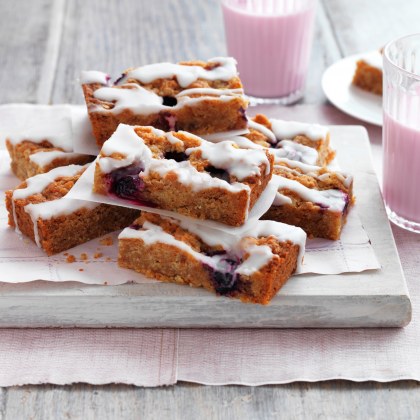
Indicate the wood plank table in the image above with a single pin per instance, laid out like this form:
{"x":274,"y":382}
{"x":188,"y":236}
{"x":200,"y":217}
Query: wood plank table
{"x":45,"y":43}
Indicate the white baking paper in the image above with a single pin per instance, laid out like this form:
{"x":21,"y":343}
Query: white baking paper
{"x":71,"y":122}
{"x":96,"y":262}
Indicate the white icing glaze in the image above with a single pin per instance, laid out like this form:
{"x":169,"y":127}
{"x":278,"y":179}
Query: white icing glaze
{"x":184,"y":74}
{"x":281,"y":200}
{"x":282,"y":232}
{"x":56,"y":208}
{"x":313,"y":171}
{"x":93,"y":76}
{"x":240,"y":141}
{"x":46,"y":157}
{"x":332,"y":200}
{"x":209,"y":91}
{"x":38,"y":183}
{"x":136,"y":98}
{"x":48,"y":209}
{"x":224,"y":135}
{"x":262,"y":129}
{"x":295,"y":151}
{"x":144,"y":102}
{"x":289,"y":129}
{"x":45,"y":124}
{"x":346,"y":179}
{"x":240,"y":163}
{"x":151,"y":233}
{"x":374,"y":59}
{"x":259,"y":255}
{"x":189,"y":176}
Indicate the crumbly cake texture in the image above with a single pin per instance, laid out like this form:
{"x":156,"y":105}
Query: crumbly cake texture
{"x":313,"y":198}
{"x":39,"y":209}
{"x":181,"y":172}
{"x":308,"y":143}
{"x":195,"y":96}
{"x":29,"y":158}
{"x":251,"y":268}
{"x":368,"y":77}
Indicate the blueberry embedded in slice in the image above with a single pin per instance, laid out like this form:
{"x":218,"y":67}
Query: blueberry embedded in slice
{"x":128,"y":187}
{"x":126,"y":183}
{"x":169,"y":101}
{"x":223,"y":274}
{"x":177,"y":156}
{"x":218,"y":173}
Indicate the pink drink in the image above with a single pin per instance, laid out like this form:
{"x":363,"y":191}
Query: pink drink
{"x":271,"y":40}
{"x":401,"y":131}
{"x":402,"y":169}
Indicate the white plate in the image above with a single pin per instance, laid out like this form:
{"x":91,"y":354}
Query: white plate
{"x":337,"y":86}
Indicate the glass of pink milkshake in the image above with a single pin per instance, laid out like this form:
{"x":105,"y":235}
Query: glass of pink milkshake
{"x":271,"y":40}
{"x":401,"y":131}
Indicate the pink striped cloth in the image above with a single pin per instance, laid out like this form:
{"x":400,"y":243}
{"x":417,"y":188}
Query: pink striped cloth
{"x":153,"y":357}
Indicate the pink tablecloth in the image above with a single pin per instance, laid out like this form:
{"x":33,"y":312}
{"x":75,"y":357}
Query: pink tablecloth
{"x":249,"y":357}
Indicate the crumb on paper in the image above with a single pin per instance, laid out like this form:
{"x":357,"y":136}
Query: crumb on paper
{"x":66,"y":253}
{"x":84,"y":256}
{"x":107,"y":241}
{"x":105,"y":283}
{"x":98,"y":255}
{"x":81,"y":269}
{"x":71,"y":259}
{"x":108,"y":259}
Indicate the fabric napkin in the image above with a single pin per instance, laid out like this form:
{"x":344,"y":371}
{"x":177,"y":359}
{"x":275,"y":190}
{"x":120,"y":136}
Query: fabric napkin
{"x":249,"y":357}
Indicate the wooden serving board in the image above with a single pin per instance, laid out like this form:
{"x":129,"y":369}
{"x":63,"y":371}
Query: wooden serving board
{"x":375,"y":298}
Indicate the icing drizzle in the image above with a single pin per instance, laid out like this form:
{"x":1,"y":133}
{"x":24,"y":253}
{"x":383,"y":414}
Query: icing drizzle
{"x":240,"y":163}
{"x":235,"y":246}
{"x":48,"y":209}
{"x":225,"y":69}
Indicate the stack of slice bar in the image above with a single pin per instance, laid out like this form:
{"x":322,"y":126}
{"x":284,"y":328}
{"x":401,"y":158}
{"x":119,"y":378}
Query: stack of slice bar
{"x":149,"y":125}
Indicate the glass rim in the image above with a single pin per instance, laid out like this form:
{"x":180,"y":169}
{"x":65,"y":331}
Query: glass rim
{"x":391,"y":62}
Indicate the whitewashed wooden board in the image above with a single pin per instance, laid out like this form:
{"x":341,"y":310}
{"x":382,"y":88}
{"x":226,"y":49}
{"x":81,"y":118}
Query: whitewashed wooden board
{"x":376,"y":298}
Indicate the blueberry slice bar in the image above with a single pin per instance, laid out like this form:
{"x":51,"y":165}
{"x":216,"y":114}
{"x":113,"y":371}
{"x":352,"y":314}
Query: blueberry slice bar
{"x":196,"y":96}
{"x":311,"y":197}
{"x":181,"y":172}
{"x":39,"y":209}
{"x":252,"y":267}
{"x":311,"y":140}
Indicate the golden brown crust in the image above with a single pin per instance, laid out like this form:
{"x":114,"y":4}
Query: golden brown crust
{"x":207,"y":116}
{"x":368,"y":78}
{"x":168,"y":263}
{"x":168,"y":193}
{"x":322,"y":146}
{"x":313,"y":219}
{"x":66,"y":231}
{"x":23,"y":167}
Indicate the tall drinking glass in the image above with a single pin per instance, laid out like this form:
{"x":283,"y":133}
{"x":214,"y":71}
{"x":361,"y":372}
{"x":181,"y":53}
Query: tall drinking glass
{"x":401,"y":131}
{"x":271,"y":40}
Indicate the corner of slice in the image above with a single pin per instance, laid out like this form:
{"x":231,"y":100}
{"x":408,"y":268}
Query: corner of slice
{"x":252,"y":267}
{"x":39,"y":209}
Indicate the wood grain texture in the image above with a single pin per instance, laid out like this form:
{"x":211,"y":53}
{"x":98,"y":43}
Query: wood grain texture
{"x":112,"y":36}
{"x":362,"y":26}
{"x":327,"y":400}
{"x":23,"y":44}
